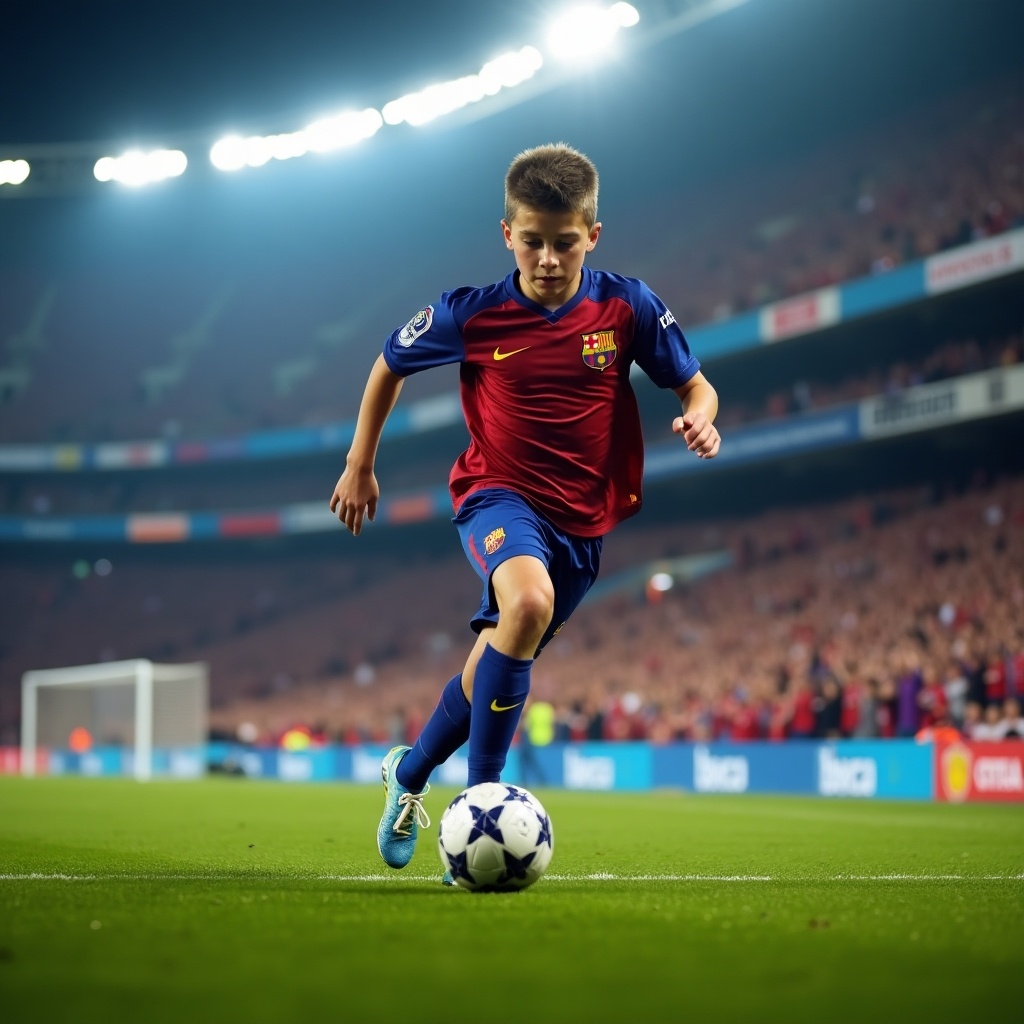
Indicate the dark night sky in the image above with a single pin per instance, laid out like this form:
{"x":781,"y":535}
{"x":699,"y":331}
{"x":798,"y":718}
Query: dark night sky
{"x":110,"y":69}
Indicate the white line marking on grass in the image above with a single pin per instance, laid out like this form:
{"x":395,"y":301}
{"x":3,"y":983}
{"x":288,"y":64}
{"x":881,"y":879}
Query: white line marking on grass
{"x":390,"y":877}
{"x":927,"y":878}
{"x":608,"y":877}
{"x":37,"y":876}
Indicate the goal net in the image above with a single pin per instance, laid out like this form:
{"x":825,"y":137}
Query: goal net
{"x":142,"y":707}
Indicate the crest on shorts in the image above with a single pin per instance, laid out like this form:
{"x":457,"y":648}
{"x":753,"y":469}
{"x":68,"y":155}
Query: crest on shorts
{"x":418,"y":325}
{"x":599,"y":349}
{"x":494,"y":540}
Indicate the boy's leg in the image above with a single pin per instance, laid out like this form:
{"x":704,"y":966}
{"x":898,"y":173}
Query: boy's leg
{"x":448,"y":727}
{"x":445,"y":731}
{"x":500,"y":683}
{"x":405,"y":771}
{"x":498,"y":530}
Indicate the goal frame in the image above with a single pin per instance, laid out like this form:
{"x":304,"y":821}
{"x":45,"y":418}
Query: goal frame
{"x":141,"y":672}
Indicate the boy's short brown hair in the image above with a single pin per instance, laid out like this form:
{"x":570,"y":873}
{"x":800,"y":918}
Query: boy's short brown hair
{"x":555,"y":177}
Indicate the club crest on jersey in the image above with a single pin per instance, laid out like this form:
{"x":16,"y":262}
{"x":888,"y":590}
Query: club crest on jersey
{"x":494,"y":540}
{"x":418,"y":325}
{"x":599,"y":349}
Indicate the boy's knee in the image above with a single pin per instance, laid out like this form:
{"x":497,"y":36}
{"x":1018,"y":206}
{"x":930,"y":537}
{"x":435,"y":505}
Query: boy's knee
{"x":530,"y":610}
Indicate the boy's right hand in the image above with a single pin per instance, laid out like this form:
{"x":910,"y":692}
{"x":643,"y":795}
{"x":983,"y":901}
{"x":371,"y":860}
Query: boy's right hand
{"x":355,"y":495}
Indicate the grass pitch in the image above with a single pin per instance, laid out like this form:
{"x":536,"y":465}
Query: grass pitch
{"x":232,"y":900}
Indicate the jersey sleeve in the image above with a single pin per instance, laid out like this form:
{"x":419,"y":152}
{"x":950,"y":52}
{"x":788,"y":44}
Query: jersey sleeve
{"x":660,"y":348}
{"x":433,"y":337}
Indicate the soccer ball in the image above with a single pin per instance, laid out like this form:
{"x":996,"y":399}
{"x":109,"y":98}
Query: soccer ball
{"x":494,"y":838}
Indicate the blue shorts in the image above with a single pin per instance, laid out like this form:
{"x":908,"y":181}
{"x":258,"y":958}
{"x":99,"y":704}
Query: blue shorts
{"x":495,"y":524}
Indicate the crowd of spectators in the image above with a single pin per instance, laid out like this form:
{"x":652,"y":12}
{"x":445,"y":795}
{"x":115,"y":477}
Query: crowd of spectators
{"x":874,"y":616}
{"x":868,"y":618}
{"x":944,"y":175}
{"x":122,"y":354}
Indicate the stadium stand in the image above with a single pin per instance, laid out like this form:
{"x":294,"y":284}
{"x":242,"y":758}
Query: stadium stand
{"x":945,"y":175}
{"x":861,"y":598}
{"x":288,"y":481}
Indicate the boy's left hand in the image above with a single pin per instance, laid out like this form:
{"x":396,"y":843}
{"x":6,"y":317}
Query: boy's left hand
{"x":699,"y":433}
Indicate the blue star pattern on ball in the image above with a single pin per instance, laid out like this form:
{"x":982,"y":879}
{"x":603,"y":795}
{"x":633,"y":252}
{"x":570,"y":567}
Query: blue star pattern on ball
{"x":518,"y":794}
{"x":458,"y":867}
{"x":545,"y":831}
{"x":515,"y":867}
{"x":485,"y":823}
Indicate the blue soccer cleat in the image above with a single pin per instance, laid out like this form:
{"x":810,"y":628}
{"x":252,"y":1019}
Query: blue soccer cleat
{"x":446,"y":878}
{"x":403,"y":816}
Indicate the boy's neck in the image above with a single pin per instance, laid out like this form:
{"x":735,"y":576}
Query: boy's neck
{"x":551,"y":308}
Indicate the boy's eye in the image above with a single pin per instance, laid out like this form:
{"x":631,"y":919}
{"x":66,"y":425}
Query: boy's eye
{"x":536,"y":243}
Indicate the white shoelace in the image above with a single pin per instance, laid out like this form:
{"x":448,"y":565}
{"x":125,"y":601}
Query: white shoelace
{"x":412,"y":804}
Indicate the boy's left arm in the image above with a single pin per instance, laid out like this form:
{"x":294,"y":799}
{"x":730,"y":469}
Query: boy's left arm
{"x":700,"y":406}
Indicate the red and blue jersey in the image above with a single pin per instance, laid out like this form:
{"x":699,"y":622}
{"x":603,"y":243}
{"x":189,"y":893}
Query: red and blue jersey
{"x":546,"y":394}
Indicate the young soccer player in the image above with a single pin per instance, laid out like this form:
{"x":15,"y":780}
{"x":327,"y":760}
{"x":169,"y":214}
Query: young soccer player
{"x":555,"y":458}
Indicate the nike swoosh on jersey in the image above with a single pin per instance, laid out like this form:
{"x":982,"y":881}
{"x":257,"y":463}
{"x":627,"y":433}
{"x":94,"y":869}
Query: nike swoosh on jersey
{"x":495,"y":706}
{"x":499,"y":355}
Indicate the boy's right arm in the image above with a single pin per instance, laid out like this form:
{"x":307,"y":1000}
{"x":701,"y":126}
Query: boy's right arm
{"x":356,"y":492}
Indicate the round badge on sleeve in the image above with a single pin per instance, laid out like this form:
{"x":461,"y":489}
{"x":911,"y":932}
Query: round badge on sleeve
{"x":418,"y":325}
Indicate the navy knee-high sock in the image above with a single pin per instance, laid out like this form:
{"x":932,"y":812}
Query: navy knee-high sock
{"x":446,"y":730}
{"x":500,"y":688}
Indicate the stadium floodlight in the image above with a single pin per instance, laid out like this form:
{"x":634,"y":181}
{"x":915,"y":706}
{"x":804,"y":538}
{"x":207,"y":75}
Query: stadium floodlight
{"x":232,"y":153}
{"x":661,"y":581}
{"x":504,"y":72}
{"x":581,"y":32}
{"x":138,"y":168}
{"x":625,"y":14}
{"x":345,"y":129}
{"x":14,"y":172}
{"x":229,"y":153}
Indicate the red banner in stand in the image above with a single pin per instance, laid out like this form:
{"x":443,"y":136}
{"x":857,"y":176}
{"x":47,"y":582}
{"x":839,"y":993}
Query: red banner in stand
{"x":979,"y":771}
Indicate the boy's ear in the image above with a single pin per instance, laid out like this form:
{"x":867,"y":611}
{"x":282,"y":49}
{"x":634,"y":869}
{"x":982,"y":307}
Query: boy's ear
{"x":506,"y":230}
{"x":595,"y":233}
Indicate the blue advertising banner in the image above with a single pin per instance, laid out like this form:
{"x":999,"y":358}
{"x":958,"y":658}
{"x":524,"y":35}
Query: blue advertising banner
{"x":889,"y":769}
{"x":179,"y":763}
{"x":737,"y":767}
{"x":884,"y":768}
{"x":315,"y":765}
{"x":606,"y":766}
{"x":98,"y":761}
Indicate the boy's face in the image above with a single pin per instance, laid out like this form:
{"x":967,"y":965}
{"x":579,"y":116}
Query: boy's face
{"x":549,"y":249}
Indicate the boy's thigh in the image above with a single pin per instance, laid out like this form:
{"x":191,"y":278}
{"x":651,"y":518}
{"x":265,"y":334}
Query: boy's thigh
{"x":496,"y":525}
{"x":573,"y":570}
